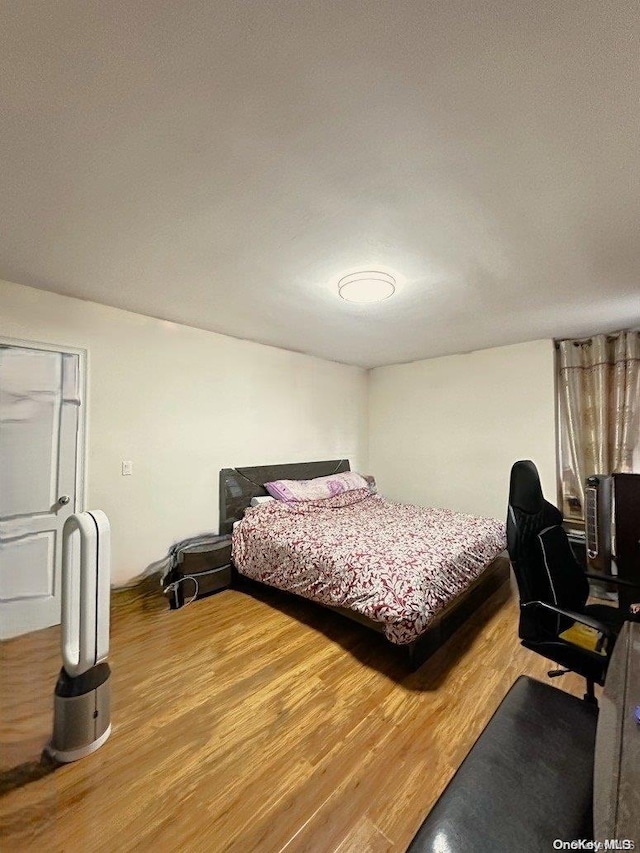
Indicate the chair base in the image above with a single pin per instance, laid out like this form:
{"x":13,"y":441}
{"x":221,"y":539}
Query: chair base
{"x":554,"y":673}
{"x":589,"y":696}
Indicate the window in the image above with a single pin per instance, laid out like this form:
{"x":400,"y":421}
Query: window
{"x":599,"y":412}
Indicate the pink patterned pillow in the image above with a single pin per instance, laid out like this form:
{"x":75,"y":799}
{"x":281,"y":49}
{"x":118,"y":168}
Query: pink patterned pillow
{"x":316,"y":489}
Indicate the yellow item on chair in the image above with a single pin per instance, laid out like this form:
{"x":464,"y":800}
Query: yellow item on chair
{"x":585,"y":637}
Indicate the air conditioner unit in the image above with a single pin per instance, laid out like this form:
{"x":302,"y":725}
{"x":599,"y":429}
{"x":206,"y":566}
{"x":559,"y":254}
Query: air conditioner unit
{"x":598,"y":519}
{"x":612,"y":528}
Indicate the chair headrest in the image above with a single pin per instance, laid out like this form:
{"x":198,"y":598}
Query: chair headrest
{"x":525,"y":491}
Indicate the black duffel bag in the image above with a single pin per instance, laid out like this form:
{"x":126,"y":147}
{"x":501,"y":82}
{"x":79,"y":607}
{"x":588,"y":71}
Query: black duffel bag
{"x":198,"y":567}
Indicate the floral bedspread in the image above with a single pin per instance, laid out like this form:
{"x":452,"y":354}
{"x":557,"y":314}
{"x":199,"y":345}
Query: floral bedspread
{"x":395,"y":563}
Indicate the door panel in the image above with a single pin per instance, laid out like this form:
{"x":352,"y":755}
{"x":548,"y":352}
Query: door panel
{"x":30,"y":402}
{"x":27,"y":567}
{"x":39,"y":418}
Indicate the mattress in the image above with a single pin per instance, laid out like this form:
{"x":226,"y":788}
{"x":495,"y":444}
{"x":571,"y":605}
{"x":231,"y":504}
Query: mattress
{"x":397,"y":564}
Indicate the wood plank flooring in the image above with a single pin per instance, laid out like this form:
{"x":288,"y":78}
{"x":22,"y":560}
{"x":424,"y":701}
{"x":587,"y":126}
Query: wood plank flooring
{"x":251,"y":722}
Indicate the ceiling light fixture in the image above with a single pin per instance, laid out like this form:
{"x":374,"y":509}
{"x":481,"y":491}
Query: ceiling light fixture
{"x":370,"y":286}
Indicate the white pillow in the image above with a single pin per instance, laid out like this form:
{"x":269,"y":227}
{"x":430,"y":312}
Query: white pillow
{"x":261,"y":500}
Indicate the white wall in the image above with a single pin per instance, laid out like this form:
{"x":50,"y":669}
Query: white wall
{"x":445,"y":431}
{"x":182,"y":403}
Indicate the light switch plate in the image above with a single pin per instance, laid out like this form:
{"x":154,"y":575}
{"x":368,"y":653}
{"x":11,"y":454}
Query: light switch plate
{"x":127,"y":468}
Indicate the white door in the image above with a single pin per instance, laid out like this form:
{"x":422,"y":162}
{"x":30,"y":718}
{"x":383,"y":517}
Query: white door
{"x":39,"y":456}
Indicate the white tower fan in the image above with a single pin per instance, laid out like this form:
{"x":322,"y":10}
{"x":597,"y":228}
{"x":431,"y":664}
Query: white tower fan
{"x":82,"y":702}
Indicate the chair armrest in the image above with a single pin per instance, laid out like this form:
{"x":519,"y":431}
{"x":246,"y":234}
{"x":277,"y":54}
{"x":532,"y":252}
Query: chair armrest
{"x":612,"y":580}
{"x":571,"y":614}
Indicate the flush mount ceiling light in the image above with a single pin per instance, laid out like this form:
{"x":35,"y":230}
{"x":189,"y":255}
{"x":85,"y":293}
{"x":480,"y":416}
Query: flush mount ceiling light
{"x":370,"y":286}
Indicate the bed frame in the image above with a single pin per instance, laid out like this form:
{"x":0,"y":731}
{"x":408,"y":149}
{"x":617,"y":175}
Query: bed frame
{"x":239,"y":485}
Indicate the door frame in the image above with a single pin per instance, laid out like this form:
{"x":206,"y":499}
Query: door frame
{"x":82,"y":436}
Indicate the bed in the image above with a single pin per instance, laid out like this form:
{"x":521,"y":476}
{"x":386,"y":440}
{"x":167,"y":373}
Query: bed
{"x":412,"y":573}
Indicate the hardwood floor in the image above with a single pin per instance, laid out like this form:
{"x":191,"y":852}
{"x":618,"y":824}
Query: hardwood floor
{"x":245,"y":723}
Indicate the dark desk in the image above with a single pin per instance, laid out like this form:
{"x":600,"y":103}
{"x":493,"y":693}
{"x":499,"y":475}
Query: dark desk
{"x":616,"y":793}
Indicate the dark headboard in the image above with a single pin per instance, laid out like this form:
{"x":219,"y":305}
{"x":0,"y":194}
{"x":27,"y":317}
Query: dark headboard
{"x":239,"y":485}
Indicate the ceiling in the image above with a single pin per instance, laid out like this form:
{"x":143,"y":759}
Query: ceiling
{"x":222,"y":164}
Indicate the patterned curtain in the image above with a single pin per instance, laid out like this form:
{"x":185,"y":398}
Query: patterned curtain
{"x":599,"y":412}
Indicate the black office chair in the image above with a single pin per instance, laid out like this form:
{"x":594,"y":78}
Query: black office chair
{"x":553,"y":587}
